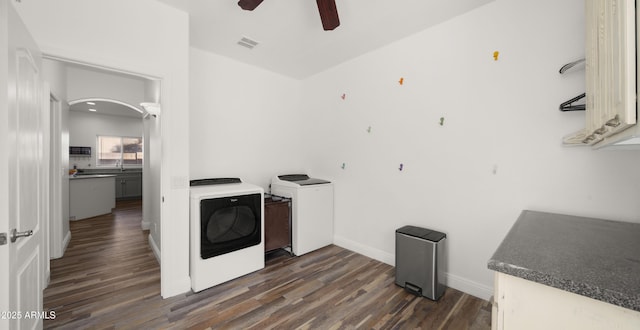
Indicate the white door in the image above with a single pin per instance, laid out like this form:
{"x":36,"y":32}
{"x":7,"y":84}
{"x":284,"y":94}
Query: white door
{"x":23,"y":142}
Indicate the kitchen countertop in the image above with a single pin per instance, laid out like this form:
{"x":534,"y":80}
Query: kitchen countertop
{"x":596,"y":258}
{"x":115,"y":171}
{"x":94,"y":176}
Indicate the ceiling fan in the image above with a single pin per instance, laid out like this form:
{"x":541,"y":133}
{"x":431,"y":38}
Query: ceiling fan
{"x":327,"y":9}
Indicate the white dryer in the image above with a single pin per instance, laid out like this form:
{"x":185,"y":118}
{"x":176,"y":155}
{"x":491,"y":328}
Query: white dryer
{"x":226,"y":231}
{"x":312,"y":210}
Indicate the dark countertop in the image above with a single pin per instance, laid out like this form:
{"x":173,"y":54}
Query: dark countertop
{"x":94,"y":176}
{"x":596,"y":258}
{"x":111,"y":171}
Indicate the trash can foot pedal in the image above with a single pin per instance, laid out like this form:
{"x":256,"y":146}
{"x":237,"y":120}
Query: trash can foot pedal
{"x":413,"y":289}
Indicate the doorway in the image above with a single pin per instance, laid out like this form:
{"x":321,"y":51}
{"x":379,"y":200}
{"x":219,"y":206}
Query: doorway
{"x":95,"y":92}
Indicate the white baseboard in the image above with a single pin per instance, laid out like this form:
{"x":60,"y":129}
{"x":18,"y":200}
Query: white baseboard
{"x":469,"y":287}
{"x":145,"y":225}
{"x":65,"y":242}
{"x":168,"y":290}
{"x":155,"y":249}
{"x":47,"y":278}
{"x":365,"y":250}
{"x":459,"y":283}
{"x":59,"y":253}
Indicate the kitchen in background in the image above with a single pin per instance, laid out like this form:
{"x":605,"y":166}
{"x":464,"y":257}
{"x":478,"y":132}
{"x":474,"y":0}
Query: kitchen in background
{"x":110,"y":144}
{"x":109,"y":138}
{"x":106,"y":140}
{"x":108,"y":166}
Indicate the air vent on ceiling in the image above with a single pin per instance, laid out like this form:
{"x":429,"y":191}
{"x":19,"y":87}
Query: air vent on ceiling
{"x":247,"y":42}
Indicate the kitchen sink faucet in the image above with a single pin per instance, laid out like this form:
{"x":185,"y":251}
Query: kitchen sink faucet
{"x":120,"y":164}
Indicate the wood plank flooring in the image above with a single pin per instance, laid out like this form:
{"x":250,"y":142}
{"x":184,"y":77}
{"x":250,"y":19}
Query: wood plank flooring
{"x":109,"y":279}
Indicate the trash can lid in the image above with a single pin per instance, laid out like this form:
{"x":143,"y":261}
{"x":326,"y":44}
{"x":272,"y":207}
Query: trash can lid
{"x":424,"y":233}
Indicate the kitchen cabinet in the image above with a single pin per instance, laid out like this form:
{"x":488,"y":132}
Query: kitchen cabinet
{"x":611,"y":71}
{"x":128,"y":185}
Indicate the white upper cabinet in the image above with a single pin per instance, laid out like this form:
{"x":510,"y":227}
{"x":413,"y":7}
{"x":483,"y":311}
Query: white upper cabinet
{"x":610,"y":73}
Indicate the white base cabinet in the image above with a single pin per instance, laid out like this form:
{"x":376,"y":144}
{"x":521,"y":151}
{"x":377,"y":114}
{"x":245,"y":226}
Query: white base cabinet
{"x":91,"y":196}
{"x":521,"y":304}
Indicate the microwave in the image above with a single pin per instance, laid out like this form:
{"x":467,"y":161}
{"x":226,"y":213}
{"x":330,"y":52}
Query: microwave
{"x":80,"y":151}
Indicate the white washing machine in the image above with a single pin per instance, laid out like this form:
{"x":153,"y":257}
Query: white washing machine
{"x":226,"y":231}
{"x":312,"y":210}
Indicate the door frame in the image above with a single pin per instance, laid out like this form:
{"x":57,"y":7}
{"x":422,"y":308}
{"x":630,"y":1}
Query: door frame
{"x":56,"y":236}
{"x":46,"y":182}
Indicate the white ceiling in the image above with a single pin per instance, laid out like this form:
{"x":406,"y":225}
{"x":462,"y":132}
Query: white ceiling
{"x":292,"y":41}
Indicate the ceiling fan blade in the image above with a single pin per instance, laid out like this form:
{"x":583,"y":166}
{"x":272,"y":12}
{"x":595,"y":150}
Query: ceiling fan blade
{"x":328,"y":14}
{"x":249,"y":4}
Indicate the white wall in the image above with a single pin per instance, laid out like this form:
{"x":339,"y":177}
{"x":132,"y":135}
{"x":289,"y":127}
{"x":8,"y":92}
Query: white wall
{"x":143,"y":37}
{"x":55,"y":74}
{"x":245,"y":122}
{"x":86,"y":82}
{"x":84,"y":127}
{"x":498,"y":152}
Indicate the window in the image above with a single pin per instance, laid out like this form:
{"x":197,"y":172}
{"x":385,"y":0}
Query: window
{"x":119,"y":151}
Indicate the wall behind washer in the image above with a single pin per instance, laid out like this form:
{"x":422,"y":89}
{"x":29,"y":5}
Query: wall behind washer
{"x":245,"y":122}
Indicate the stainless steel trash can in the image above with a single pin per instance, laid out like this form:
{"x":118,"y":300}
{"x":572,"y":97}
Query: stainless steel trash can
{"x":419,"y":254}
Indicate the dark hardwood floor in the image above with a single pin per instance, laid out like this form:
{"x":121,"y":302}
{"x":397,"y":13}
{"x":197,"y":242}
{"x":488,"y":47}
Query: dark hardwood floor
{"x":109,"y":279}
